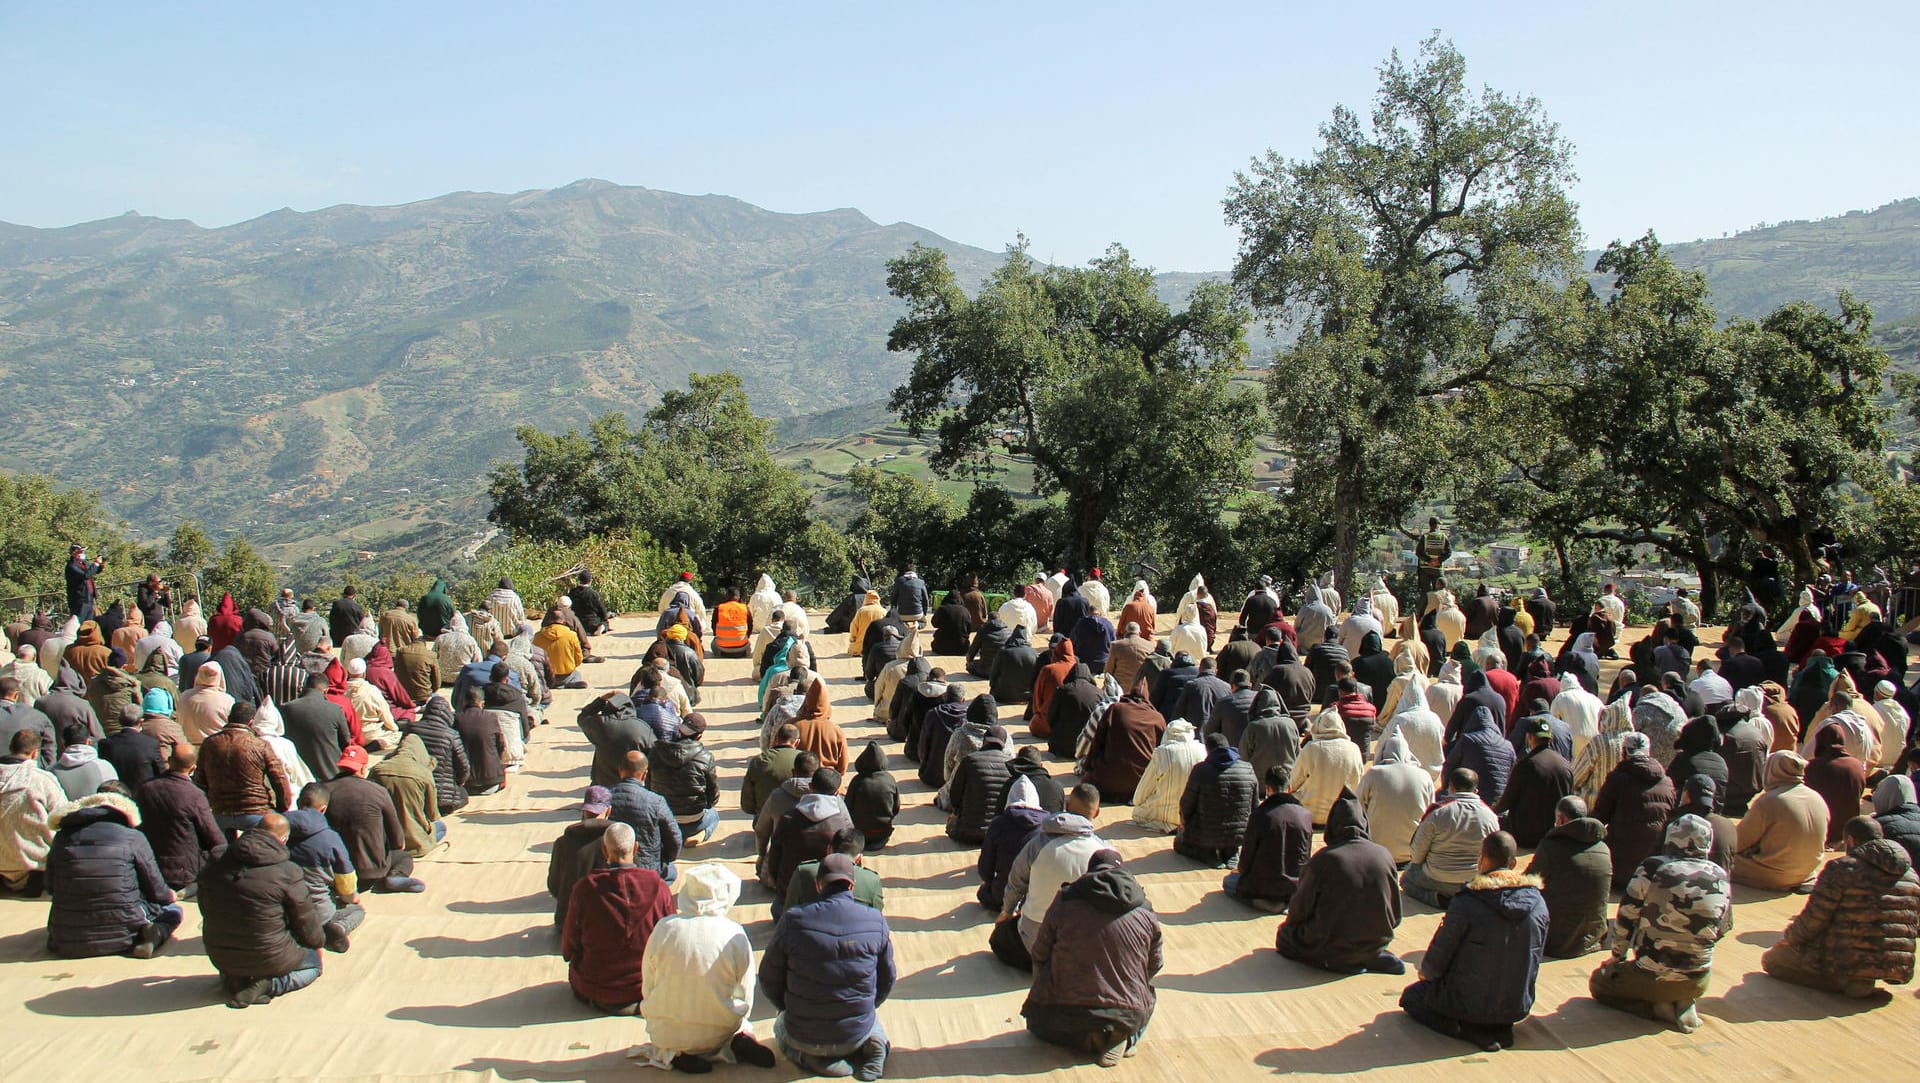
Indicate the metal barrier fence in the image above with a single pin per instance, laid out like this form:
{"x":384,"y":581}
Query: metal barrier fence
{"x":183,"y":585}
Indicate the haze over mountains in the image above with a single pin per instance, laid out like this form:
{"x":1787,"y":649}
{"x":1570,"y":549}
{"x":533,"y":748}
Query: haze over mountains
{"x":343,"y":378}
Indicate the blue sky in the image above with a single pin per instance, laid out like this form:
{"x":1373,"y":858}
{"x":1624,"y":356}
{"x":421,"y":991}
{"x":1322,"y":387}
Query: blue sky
{"x":1075,"y":123}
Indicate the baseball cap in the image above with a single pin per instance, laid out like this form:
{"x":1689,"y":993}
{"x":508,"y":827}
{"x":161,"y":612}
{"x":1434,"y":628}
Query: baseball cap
{"x":599,"y":799}
{"x":834,"y":868}
{"x":1541,"y":728}
{"x":354,"y":758}
{"x":693,"y":726}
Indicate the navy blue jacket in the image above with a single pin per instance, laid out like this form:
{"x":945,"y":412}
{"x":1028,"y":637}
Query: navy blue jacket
{"x":1481,"y":747}
{"x":829,"y":967}
{"x":1485,"y":955}
{"x":105,"y":884}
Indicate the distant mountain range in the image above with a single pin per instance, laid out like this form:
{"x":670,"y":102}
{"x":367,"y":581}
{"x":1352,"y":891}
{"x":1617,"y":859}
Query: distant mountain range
{"x":340,"y":380}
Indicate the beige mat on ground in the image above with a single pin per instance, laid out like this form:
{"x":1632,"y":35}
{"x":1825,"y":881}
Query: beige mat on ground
{"x":461,"y":982}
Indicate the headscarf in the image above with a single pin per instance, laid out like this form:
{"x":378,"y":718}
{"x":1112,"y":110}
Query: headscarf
{"x":1785,"y":769}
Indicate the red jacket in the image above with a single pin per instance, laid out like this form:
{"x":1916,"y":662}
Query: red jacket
{"x":610,"y":914}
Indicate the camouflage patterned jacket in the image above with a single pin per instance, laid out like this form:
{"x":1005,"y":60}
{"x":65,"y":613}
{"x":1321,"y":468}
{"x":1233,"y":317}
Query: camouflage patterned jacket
{"x":1677,"y":905}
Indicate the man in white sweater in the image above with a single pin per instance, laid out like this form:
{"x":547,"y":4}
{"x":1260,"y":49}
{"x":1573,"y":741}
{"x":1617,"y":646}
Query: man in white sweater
{"x":697,"y":980}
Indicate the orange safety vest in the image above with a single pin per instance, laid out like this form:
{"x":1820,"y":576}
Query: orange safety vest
{"x":730,"y":626}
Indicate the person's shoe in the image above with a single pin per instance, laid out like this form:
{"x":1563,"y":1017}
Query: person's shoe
{"x":870,"y":1060}
{"x":254,"y":992}
{"x":1111,"y":1058}
{"x":748,"y":1051}
{"x":405,"y":884}
{"x":692,"y":1065}
{"x":832,"y":1069}
{"x":1387,"y":963}
{"x":152,"y":939}
{"x":336,"y":934}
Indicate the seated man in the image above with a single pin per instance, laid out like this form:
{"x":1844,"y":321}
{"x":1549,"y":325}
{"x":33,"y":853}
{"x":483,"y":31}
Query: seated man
{"x":363,"y":814}
{"x":407,"y":776}
{"x":257,"y":918}
{"x":244,"y":780}
{"x":1576,"y":872}
{"x":108,"y":895}
{"x":326,"y":867}
{"x":178,"y":822}
{"x":802,"y":887}
{"x":682,"y":772}
{"x":1093,"y":964}
{"x":828,"y":969}
{"x":1053,"y":857}
{"x":805,"y":832}
{"x":1343,"y":914}
{"x":1273,"y":853}
{"x":697,"y":978}
{"x":655,"y":831}
{"x":29,"y":798}
{"x":1676,"y":907}
{"x":1006,"y":837}
{"x":1858,"y":926}
{"x":610,"y":913}
{"x":1446,"y":846}
{"x":1477,"y":977}
{"x":577,"y":849}
{"x":1215,"y":805}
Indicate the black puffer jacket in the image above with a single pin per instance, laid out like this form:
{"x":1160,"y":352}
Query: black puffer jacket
{"x":615,"y":729}
{"x":103,"y":878}
{"x":877,"y":656}
{"x":873,"y":797}
{"x":256,"y":914}
{"x":1014,"y":668}
{"x":978,"y":791}
{"x":1028,"y":765}
{"x":987,"y":643}
{"x":435,"y":729}
{"x":682,"y":773}
{"x":1219,"y":798}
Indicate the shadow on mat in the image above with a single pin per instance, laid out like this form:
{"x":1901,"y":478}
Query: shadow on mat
{"x":1761,"y":999}
{"x":977,"y":973}
{"x":1262,"y":971}
{"x":599,"y":1066}
{"x":537,"y":903}
{"x":560,"y":818}
{"x":146,"y":995}
{"x":21,"y":947}
{"x":1388,"y":1040}
{"x":1759,"y":938}
{"x":534,"y":1006}
{"x":998,"y":1056}
{"x":525,"y":944}
{"x":965,"y":915}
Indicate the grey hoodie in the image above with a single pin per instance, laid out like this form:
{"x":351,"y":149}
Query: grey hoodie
{"x":1055,"y":857}
{"x":81,"y":771}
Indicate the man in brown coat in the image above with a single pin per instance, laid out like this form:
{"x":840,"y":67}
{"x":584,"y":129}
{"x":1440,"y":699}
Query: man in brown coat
{"x":244,"y":780}
{"x":1123,"y":741}
{"x":1860,"y":924}
{"x":1127,"y":654}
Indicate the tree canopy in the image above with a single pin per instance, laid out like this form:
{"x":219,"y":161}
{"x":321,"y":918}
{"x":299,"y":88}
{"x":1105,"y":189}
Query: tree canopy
{"x":1117,"y":399}
{"x":1408,"y":253}
{"x":698,"y":476}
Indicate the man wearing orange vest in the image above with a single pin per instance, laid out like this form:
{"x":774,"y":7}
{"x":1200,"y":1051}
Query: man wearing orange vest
{"x":731,"y":625}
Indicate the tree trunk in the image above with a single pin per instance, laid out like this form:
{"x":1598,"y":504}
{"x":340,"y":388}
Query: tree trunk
{"x":1801,"y":554}
{"x":1346,"y":541}
{"x":1709,"y":572}
{"x":1569,"y":587}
